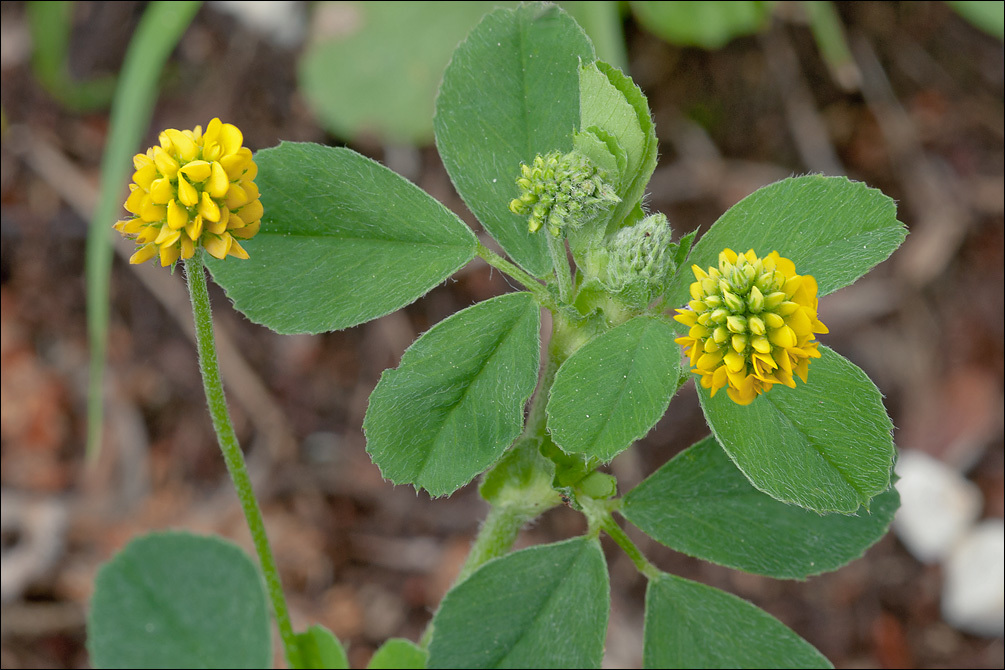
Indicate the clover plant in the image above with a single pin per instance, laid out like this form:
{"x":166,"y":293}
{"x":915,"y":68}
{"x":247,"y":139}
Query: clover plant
{"x":552,"y":151}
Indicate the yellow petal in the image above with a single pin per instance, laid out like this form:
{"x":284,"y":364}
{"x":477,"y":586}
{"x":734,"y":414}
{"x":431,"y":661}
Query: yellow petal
{"x":177,"y":216}
{"x":187,"y":193}
{"x":129,"y":226}
{"x":167,"y":165}
{"x":792,"y":285}
{"x":184,"y":145}
{"x":194,"y":227}
{"x":169,"y":254}
{"x":197,"y":171}
{"x":785,"y":266}
{"x":760,"y":344}
{"x":686,"y":316}
{"x":709,"y":361}
{"x":250,"y":188}
{"x":143,"y":254}
{"x":167,"y":236}
{"x":217,"y":227}
{"x":253,"y":211}
{"x":699,"y":331}
{"x":236,"y":221}
{"x":697,"y":305}
{"x":145,"y":176}
{"x":236,"y":196}
{"x":248,"y":231}
{"x":151,"y":212}
{"x":772,"y":320}
{"x":237,"y":251}
{"x":783,"y":337}
{"x":773,"y":300}
{"x":134,"y":203}
{"x":161,"y":191}
{"x":734,"y":361}
{"x":719,"y":379}
{"x":231,"y":138}
{"x":219,"y":183}
{"x":800,"y":323}
{"x":187,"y":247}
{"x":236,"y":164}
{"x":736,"y":324}
{"x":786,"y":308}
{"x":218,"y":245}
{"x":148,"y":234}
{"x":208,"y":208}
{"x":212,"y":133}
{"x":755,"y":300}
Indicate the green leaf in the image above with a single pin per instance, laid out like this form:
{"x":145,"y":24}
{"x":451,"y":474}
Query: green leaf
{"x":701,"y":505}
{"x":825,"y":445}
{"x":344,"y":240}
{"x":708,"y":24}
{"x":610,"y":100}
{"x":615,"y":388}
{"x":176,"y":600}
{"x":690,"y":625}
{"x":321,"y":650}
{"x":378,"y":74}
{"x":602,"y":149}
{"x":398,"y":654}
{"x":510,"y":92}
{"x":543,"y":607}
{"x":456,"y":401}
{"x":987,"y":15}
{"x":831,"y":227}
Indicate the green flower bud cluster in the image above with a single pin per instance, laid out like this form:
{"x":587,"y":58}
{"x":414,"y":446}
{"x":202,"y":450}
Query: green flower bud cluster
{"x":562,"y":191}
{"x":643,"y":251}
{"x":642,"y":259}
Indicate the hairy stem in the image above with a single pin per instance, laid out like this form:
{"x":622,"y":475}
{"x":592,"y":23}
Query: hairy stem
{"x":560,"y":259}
{"x":232,"y":455}
{"x":611,"y":527}
{"x":530,"y":283}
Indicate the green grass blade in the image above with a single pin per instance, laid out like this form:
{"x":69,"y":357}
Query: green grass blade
{"x":156,"y":36}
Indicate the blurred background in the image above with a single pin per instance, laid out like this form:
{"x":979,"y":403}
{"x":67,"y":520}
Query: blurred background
{"x":907,"y":97}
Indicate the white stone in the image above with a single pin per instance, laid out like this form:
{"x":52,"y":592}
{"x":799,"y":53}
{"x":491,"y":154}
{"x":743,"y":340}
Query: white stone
{"x":973,"y":594}
{"x":937,"y":506}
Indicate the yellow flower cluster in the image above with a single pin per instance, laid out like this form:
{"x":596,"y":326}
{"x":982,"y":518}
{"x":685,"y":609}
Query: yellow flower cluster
{"x":194,"y":189}
{"x":752,"y":322}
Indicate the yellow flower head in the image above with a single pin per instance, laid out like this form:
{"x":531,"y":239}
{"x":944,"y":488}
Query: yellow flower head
{"x":752,"y":322}
{"x":194,"y":189}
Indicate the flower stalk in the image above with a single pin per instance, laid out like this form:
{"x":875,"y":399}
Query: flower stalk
{"x":231,"y":449}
